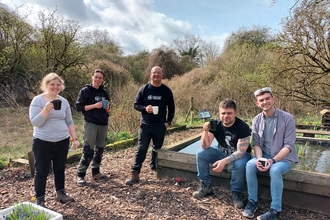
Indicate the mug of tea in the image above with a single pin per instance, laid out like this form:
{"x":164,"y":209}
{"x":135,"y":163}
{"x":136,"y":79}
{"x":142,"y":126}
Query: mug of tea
{"x":213,"y":125}
{"x":155,"y":110}
{"x":105,"y":104}
{"x":57,"y":103}
{"x":263,"y":161}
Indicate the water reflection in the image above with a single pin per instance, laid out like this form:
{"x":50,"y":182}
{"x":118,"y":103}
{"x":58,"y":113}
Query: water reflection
{"x":315,"y":159}
{"x":194,"y":147}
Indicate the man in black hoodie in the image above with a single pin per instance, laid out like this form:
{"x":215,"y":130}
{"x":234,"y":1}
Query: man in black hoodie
{"x":93,"y":102}
{"x":156,"y":103}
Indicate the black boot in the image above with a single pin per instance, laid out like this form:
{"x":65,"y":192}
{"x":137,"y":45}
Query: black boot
{"x":134,"y":178}
{"x":153,"y":162}
{"x":62,"y":197}
{"x":41,"y":201}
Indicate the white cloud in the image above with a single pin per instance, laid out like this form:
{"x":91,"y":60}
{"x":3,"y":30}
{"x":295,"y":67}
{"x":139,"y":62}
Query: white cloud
{"x":133,"y":24}
{"x":148,"y":24}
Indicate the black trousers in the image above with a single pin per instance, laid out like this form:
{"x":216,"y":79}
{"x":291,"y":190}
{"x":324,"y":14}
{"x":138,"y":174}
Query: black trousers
{"x":146,"y":133}
{"x":44,"y":153}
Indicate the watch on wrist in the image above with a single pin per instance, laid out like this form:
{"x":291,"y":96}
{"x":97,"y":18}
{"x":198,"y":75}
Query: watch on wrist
{"x":274,"y":161}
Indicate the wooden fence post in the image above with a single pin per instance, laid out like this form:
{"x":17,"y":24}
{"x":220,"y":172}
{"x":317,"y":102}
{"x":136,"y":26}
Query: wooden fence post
{"x":192,"y":110}
{"x":31,"y":163}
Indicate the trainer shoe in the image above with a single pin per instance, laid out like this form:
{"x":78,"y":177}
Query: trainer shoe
{"x":99,"y":176}
{"x":81,"y":181}
{"x":203,"y":190}
{"x":272,"y":214}
{"x":250,"y":209}
{"x":238,"y":200}
{"x":62,"y":197}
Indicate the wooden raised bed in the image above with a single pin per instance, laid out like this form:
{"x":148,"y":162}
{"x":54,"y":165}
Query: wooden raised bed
{"x":312,"y":133}
{"x":306,"y":190}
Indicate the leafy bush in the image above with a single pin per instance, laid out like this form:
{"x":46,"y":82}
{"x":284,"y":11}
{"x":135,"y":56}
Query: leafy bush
{"x":3,"y":162}
{"x":122,"y":135}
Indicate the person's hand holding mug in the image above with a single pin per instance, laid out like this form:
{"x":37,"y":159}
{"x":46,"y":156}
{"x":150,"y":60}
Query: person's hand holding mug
{"x":49,"y":106}
{"x":206,"y":126}
{"x":149,"y":108}
{"x":263,"y":164}
{"x":98,"y":105}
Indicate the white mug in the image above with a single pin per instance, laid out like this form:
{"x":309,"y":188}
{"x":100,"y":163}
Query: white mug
{"x":155,"y":110}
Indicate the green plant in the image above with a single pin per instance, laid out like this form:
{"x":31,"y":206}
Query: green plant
{"x":312,"y":120}
{"x":111,"y":138}
{"x":3,"y":162}
{"x":301,"y":148}
{"x":26,"y":211}
{"x":123,"y":135}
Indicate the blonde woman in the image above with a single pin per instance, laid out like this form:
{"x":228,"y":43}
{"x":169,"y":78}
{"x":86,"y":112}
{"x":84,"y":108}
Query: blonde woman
{"x":52,"y":129}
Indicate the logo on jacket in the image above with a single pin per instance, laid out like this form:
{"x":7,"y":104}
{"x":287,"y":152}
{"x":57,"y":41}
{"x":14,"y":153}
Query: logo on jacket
{"x":154,"y":97}
{"x":98,"y":98}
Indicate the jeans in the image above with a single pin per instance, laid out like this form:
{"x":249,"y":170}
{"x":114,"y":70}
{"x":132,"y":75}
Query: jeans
{"x":94,"y":135}
{"x":205,"y":157}
{"x":276,"y":172}
{"x":146,"y":133}
{"x":45,"y":152}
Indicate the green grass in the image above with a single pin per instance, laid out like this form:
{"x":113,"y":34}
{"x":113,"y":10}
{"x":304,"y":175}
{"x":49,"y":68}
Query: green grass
{"x":197,"y":122}
{"x":16,"y":131}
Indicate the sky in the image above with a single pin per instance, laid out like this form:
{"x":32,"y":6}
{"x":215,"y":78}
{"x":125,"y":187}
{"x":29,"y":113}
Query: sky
{"x":148,"y":24}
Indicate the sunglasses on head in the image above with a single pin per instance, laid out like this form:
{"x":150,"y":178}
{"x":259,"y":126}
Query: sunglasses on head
{"x":261,"y":91}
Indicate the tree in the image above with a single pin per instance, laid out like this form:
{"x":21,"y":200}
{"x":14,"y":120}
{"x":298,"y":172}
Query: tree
{"x":256,"y":36}
{"x":167,"y":59}
{"x":243,"y":66}
{"x":15,"y":44}
{"x":27,"y":52}
{"x":101,"y":46}
{"x":305,"y":50}
{"x":194,"y":51}
{"x":138,"y":64}
{"x":187,"y":48}
{"x":58,"y":43}
{"x":210,"y":51}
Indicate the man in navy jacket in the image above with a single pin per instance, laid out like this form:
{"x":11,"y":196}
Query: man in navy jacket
{"x":156,"y":103}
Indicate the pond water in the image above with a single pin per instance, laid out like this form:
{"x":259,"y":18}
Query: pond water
{"x":316,"y":158}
